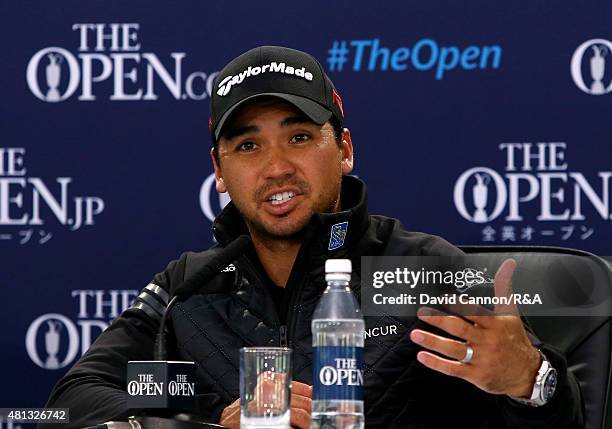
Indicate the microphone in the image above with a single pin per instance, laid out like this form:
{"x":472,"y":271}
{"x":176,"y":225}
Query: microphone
{"x":170,"y":385}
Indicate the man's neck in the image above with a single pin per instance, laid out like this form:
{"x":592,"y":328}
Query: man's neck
{"x":277,"y":257}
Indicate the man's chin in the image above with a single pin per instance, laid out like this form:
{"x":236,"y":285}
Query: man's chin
{"x":281,"y":230}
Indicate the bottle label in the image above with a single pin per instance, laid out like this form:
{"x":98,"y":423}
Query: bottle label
{"x":338,"y":373}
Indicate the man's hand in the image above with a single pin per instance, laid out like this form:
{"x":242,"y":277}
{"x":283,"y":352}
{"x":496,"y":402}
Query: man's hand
{"x":504,"y":361}
{"x":230,"y":417}
{"x":301,"y":405}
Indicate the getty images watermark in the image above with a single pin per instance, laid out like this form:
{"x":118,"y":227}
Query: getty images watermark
{"x":543,"y":284}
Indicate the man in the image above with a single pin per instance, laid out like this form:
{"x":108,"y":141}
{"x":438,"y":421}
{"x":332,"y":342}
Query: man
{"x":282,"y":154}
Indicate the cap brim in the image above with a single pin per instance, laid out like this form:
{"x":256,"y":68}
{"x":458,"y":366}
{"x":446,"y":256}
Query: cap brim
{"x":316,"y":112}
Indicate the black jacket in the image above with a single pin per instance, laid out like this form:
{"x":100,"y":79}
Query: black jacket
{"x":236,"y":309}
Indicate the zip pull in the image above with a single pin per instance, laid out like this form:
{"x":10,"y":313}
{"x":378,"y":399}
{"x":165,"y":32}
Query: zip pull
{"x":283,"y":335}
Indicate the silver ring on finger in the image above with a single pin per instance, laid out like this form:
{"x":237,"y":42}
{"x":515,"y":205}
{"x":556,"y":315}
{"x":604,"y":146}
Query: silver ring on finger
{"x":469,"y":354}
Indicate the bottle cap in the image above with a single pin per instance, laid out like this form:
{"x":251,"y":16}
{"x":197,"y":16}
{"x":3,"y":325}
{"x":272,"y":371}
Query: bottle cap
{"x":338,"y":269}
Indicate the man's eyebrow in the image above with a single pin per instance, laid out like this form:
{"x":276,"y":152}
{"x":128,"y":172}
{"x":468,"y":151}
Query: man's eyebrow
{"x":234,"y":132}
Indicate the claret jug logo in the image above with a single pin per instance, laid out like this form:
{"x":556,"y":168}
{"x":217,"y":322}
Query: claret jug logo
{"x":483,"y":210}
{"x":56,"y":329}
{"x":112,"y":52}
{"x":591,"y":66}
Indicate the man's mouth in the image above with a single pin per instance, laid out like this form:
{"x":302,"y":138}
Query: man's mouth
{"x":281,"y":197}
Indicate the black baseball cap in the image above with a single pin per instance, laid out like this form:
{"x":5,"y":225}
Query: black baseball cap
{"x":292,"y":75}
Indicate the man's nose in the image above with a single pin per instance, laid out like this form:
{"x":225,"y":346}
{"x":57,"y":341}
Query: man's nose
{"x":279,"y":163}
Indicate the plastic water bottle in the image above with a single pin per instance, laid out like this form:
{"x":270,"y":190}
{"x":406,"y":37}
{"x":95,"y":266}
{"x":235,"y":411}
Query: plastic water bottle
{"x":337,"y":340}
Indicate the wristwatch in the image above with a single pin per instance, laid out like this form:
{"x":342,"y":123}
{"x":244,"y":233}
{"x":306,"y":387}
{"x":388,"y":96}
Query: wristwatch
{"x":544,"y":386}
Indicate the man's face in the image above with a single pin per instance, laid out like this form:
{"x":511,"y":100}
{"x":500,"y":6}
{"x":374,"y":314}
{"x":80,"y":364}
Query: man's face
{"x":280,"y":168}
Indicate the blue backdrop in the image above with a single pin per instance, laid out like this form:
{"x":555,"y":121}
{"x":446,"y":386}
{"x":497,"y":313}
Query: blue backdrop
{"x":480,"y":122}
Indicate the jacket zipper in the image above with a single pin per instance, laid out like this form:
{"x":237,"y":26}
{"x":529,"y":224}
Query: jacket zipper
{"x":283,"y":336}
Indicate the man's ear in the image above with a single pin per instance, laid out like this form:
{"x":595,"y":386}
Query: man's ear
{"x":346,"y":146}
{"x":219,"y":184}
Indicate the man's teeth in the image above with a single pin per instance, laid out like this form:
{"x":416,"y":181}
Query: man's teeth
{"x":281,"y":197}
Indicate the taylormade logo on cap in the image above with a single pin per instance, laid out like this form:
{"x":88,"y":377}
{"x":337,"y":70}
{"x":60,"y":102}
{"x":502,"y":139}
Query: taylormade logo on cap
{"x":229,"y":81}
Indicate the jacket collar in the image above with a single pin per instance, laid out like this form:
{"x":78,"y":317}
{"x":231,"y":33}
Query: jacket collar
{"x":331,"y":233}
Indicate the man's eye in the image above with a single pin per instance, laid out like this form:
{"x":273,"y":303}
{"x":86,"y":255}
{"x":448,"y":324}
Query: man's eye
{"x":300,"y":138}
{"x":246,"y":146}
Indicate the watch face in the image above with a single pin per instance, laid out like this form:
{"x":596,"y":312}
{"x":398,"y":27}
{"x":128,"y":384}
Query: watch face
{"x":549,"y":385}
